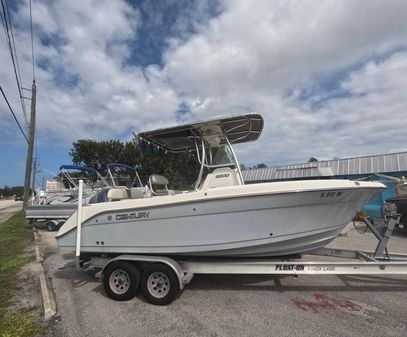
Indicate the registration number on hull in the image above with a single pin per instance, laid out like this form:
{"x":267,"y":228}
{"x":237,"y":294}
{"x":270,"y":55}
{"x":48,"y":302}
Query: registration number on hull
{"x":330,"y":194}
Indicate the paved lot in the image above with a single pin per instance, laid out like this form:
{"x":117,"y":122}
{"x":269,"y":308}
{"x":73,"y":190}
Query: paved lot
{"x":8,"y":208}
{"x":219,"y":305}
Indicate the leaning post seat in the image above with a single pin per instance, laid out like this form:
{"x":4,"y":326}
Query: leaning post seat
{"x":158,"y":180}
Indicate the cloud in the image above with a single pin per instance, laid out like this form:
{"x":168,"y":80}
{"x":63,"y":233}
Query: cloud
{"x":272,"y":47}
{"x":261,"y":57}
{"x":170,"y":22}
{"x":366,"y":121}
{"x":327,"y":77}
{"x":87,"y":86}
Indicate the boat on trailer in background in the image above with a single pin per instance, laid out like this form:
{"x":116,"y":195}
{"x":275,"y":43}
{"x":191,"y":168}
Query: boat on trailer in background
{"x":64,"y":187}
{"x":220,"y":218}
{"x":400,"y":200}
{"x":55,"y":205}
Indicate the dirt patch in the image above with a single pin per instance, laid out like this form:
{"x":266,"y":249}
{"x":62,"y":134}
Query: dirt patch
{"x":28,"y":293}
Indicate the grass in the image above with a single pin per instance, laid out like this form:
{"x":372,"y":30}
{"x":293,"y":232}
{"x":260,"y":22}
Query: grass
{"x":19,"y":325}
{"x":15,"y":236}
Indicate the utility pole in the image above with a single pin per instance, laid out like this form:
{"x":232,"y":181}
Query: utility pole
{"x":28,"y":164}
{"x":34,"y":173}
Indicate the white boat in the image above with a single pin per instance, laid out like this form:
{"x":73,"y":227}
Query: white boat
{"x":64,"y":187}
{"x":59,"y":203}
{"x":221,"y":217}
{"x":122,"y":175}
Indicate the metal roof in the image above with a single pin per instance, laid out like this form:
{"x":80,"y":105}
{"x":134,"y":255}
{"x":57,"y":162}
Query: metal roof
{"x":393,"y":162}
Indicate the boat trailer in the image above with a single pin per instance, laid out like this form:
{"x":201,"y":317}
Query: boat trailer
{"x":161,"y":278}
{"x":53,"y":215}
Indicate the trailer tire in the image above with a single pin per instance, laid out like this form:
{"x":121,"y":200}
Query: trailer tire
{"x":121,"y":280}
{"x":159,"y":284}
{"x":52,"y":225}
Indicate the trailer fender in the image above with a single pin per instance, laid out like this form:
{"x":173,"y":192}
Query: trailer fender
{"x":183,"y":277}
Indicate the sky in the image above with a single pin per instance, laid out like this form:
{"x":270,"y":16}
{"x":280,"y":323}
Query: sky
{"x":328,"y":77}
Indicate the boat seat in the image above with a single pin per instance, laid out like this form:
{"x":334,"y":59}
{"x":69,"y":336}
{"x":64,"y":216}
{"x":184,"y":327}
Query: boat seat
{"x":156,"y":179}
{"x":115,"y":194}
{"x":166,"y":192}
{"x":137,"y":192}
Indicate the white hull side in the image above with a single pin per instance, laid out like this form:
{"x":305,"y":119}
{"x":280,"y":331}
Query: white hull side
{"x":259,"y":225}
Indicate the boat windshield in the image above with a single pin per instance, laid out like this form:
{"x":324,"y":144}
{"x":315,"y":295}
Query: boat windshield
{"x":220,"y":156}
{"x":215,"y":156}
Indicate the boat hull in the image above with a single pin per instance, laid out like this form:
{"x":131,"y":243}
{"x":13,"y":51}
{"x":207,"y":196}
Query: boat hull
{"x":264,"y":225}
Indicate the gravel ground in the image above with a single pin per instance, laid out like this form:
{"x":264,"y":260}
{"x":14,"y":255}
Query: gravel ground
{"x":221,"y":305}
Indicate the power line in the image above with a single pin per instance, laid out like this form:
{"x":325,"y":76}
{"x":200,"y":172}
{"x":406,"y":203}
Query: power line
{"x":13,"y":53}
{"x":14,"y":45}
{"x":12,"y":112}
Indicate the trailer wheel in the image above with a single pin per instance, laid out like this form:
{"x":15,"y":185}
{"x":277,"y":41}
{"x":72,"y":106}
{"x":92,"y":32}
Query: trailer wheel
{"x":159,"y":284}
{"x":121,"y":280}
{"x":52,"y":225}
